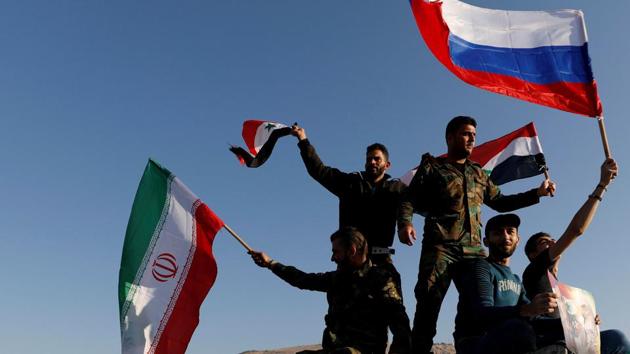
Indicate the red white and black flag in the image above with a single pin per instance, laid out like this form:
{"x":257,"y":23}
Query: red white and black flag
{"x":513,"y":156}
{"x":260,"y":137}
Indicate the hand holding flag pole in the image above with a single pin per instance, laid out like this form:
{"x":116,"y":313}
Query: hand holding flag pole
{"x":547,"y":177}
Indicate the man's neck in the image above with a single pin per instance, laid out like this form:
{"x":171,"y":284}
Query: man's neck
{"x":455,"y":159}
{"x":499,"y":260}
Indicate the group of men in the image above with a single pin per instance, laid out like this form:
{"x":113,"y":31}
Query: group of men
{"x":364,"y":293}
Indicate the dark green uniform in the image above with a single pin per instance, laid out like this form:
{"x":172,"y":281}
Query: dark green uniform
{"x":361,"y":305}
{"x":450,"y":199}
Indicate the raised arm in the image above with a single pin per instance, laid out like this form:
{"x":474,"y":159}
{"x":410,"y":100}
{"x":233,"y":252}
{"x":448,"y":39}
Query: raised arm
{"x":584,"y":216}
{"x":331,"y":178}
{"x":293,"y":276}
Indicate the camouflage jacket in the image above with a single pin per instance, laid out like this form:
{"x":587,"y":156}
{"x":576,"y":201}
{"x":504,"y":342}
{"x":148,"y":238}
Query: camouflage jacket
{"x":361,"y":305}
{"x":437,"y":192}
{"x":370,"y":208}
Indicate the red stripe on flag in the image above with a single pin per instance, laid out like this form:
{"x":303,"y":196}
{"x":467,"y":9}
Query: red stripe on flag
{"x":249,"y":134}
{"x":486,"y":151}
{"x":201,"y":277}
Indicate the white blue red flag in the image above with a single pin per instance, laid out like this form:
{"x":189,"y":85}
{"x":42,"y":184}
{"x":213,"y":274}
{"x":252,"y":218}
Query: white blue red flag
{"x":260,"y":136}
{"x":536,"y":56}
{"x":513,"y":156}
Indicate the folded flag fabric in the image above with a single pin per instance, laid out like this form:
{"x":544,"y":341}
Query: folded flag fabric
{"x":260,"y":137}
{"x":167,"y":265}
{"x":536,"y":56}
{"x":513,"y":156}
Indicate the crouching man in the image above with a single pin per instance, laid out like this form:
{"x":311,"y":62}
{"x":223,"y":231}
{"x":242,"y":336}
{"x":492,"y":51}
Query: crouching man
{"x":493,"y":314}
{"x":363,"y":300}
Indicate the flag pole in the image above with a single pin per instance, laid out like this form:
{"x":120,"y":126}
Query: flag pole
{"x":602,"y":131}
{"x":238,"y":238}
{"x":547,"y":177}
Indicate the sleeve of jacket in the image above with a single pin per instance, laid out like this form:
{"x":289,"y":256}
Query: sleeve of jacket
{"x":504,"y":203}
{"x":397,"y":318}
{"x":302,"y":280}
{"x":331,"y":178}
{"x":482,"y":296}
{"x":415,"y":194}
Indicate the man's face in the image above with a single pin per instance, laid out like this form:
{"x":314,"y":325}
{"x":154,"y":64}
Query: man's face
{"x":542,"y":244}
{"x":502,"y":241}
{"x":340,"y":255}
{"x":462,"y":142}
{"x":376,"y":164}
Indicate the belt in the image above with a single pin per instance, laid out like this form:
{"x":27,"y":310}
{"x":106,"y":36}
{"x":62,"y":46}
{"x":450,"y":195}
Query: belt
{"x":382,"y":250}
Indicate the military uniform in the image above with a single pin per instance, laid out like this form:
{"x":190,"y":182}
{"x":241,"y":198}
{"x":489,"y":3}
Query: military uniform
{"x":361,"y":305}
{"x":450,"y":199}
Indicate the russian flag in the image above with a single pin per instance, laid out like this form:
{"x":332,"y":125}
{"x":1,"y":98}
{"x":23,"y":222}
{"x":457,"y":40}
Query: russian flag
{"x":537,"y":56}
{"x":513,"y":156}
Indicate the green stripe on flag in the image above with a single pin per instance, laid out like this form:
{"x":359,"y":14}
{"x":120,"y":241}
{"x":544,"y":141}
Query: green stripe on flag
{"x":147,"y":213}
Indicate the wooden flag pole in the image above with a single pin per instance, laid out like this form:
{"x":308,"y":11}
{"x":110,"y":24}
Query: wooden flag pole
{"x":548,"y":178}
{"x":238,"y":238}
{"x":602,"y":131}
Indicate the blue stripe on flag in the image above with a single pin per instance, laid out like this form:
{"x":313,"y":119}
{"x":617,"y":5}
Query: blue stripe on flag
{"x":542,"y":65}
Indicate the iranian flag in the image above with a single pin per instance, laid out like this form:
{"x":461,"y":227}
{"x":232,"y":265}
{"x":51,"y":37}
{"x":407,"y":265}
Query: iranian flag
{"x":167,"y":266}
{"x":260,"y":136}
{"x":513,"y":156}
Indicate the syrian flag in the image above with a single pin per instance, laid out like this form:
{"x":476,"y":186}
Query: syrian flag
{"x":167,"y":266}
{"x":514,"y":156}
{"x":260,"y":137}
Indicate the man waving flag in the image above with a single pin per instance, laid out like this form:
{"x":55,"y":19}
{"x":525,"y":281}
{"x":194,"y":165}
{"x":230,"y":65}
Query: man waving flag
{"x":167,"y":266}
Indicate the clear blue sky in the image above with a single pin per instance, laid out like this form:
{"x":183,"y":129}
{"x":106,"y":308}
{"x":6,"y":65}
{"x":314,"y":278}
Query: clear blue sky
{"x":89,"y":90}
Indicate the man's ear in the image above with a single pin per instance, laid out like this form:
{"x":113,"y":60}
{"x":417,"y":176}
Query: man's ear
{"x":352,"y":251}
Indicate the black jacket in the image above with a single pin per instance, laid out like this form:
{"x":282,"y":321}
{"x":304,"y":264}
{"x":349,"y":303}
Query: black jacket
{"x":370,"y":208}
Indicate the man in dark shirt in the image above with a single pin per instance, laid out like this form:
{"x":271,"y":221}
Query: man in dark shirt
{"x":493,"y":312}
{"x":363,"y":300}
{"x":368,"y":200}
{"x":544,"y":255}
{"x":449,"y":192}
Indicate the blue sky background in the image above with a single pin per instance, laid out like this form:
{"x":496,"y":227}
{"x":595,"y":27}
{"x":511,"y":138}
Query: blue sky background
{"x":89,"y":90}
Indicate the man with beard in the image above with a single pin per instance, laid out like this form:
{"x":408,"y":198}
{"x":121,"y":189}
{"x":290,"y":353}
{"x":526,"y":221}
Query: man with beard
{"x":493,"y":312}
{"x":363,"y":300}
{"x":449,"y":192}
{"x":368,"y":200}
{"x":544,"y":255}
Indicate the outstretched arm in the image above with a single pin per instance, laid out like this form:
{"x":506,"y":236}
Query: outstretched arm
{"x":292,"y":275}
{"x":329,"y":177}
{"x":584,"y":216}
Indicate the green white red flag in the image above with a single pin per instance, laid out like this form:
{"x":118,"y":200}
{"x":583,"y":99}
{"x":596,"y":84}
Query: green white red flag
{"x":167,"y":266}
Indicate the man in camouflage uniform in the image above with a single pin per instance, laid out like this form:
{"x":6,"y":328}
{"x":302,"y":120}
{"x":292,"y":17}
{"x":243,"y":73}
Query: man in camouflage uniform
{"x":363,"y":300}
{"x":368,"y":200}
{"x":448,"y":192}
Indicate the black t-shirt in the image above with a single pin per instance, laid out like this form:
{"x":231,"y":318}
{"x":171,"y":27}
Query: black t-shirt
{"x":535,"y":276}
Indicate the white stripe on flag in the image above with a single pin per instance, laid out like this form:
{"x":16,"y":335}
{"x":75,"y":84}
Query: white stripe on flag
{"x":514,"y":29}
{"x":523,"y":146}
{"x":263,"y":132}
{"x":153,"y":298}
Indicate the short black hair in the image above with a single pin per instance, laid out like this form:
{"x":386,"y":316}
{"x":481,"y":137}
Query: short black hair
{"x":351,"y":236}
{"x":378,"y":146}
{"x":457,"y":122}
{"x":502,"y":220}
{"x":531,"y":244}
